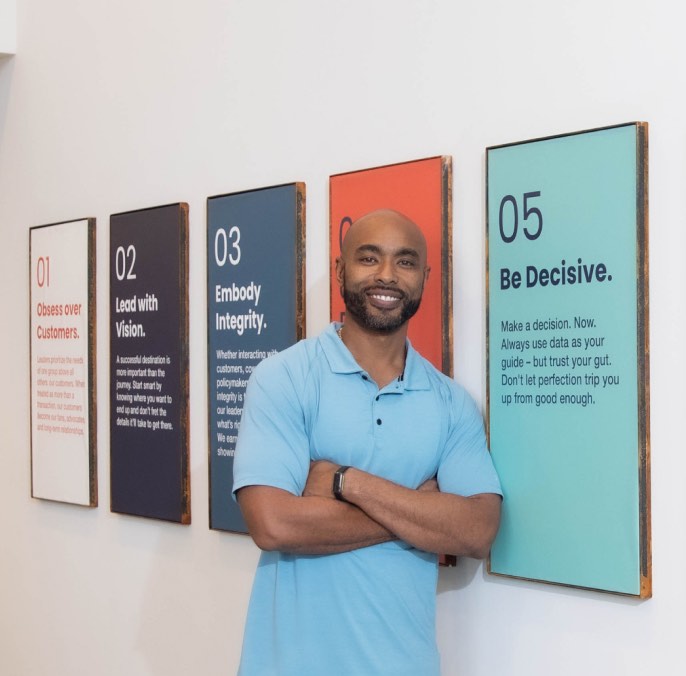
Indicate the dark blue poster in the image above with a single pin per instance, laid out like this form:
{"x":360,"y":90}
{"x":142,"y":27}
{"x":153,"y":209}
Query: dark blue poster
{"x":149,"y":363}
{"x":255,"y":292}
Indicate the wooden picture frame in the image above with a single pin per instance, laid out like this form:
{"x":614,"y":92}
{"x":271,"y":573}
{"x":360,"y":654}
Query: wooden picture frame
{"x":255,"y":307}
{"x":422,"y":190}
{"x":149,"y":427}
{"x":568,"y":358}
{"x":62,"y":267}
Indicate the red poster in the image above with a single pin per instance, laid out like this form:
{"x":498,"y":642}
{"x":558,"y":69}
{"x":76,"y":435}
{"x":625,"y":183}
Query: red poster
{"x":421,"y":190}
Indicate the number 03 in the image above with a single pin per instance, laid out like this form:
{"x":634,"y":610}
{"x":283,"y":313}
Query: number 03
{"x":221,"y":246}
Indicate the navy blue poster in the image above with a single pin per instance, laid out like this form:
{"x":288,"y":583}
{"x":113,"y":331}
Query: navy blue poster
{"x":255,"y":291}
{"x":149,"y":363}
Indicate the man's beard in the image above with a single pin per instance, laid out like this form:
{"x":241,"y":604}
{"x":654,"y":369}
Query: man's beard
{"x":381,"y":322}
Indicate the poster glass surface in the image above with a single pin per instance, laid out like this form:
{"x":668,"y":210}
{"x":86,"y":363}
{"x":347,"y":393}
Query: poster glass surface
{"x":62,"y":323}
{"x":149,"y":469}
{"x":568,"y":358}
{"x":256,"y":308}
{"x":421,"y":190}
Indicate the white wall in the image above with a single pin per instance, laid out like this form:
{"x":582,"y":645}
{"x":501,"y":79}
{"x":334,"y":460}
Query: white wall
{"x":8,"y":26}
{"x":115,"y":106}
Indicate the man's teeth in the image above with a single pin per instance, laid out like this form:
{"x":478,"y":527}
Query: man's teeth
{"x":380,"y":297}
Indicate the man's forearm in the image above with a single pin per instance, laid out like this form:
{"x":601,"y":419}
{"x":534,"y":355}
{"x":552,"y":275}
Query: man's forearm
{"x":429,"y":520}
{"x":278,"y":520}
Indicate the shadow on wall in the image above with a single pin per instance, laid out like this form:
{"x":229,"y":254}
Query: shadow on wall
{"x":459,"y":576}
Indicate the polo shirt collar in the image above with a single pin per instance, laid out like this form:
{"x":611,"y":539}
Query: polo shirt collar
{"x":341,"y":360}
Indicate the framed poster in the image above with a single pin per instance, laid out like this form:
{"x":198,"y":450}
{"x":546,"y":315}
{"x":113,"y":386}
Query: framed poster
{"x":62,"y":322}
{"x":567,"y":276}
{"x":149,"y":363}
{"x":255,"y":307}
{"x":422,"y":190}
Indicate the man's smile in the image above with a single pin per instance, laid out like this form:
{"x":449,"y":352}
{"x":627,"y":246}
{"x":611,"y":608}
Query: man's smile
{"x":383,"y":298}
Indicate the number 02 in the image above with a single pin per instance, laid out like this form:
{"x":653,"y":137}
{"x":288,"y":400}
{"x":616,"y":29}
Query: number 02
{"x":120,"y":260}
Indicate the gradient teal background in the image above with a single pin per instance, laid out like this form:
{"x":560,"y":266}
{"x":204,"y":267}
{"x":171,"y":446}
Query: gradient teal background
{"x":570,"y":474}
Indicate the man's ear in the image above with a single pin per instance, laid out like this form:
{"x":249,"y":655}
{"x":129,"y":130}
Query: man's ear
{"x":427,"y":270}
{"x":340,"y":266}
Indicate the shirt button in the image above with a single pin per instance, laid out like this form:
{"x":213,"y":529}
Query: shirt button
{"x":378,"y":421}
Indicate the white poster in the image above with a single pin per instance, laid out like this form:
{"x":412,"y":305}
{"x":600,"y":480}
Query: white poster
{"x":62,"y":273}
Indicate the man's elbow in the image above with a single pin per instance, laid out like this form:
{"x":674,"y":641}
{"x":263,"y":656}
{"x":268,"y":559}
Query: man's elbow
{"x":269,"y":533}
{"x":265,"y":532}
{"x":264,"y":525}
{"x":266,"y":540}
{"x":480,"y":550}
{"x":483,"y":535}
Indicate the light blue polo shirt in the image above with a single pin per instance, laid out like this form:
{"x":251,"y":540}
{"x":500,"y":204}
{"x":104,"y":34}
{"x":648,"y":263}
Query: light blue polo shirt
{"x":370,"y":611}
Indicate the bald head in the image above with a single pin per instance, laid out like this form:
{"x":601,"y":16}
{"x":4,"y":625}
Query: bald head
{"x":387,"y":225}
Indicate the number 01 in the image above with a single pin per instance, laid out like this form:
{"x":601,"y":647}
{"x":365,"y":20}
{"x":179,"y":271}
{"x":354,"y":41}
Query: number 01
{"x":43,"y":271}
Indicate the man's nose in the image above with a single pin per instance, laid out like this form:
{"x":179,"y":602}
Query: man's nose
{"x":386,"y":272}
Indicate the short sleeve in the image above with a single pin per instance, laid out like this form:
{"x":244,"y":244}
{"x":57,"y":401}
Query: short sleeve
{"x":272,"y":447}
{"x":466,"y":467}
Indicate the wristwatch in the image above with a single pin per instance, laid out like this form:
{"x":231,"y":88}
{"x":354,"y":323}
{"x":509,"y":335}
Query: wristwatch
{"x":338,"y":480}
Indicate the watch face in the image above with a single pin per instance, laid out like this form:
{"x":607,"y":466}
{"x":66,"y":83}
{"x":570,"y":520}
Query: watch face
{"x":338,"y":483}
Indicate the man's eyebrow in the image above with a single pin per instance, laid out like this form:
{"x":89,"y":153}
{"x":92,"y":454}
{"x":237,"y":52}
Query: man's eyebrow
{"x":368,"y":248}
{"x":413,"y":253}
{"x":374,"y":248}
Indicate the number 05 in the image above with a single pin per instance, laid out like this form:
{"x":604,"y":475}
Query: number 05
{"x":528,"y":211}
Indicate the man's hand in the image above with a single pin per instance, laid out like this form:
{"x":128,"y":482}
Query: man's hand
{"x":320,"y":479}
{"x":430,"y":485}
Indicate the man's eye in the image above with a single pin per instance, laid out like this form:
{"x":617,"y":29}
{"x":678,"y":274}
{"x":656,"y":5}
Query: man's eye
{"x":368,"y":259}
{"x":406,"y":263}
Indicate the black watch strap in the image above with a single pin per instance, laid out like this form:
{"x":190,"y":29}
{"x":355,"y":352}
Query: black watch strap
{"x":338,"y":480}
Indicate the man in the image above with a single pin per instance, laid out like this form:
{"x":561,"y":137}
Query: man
{"x":357,"y":463}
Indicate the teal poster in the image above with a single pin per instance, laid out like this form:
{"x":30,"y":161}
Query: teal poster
{"x":567,"y":358}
